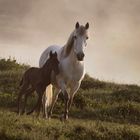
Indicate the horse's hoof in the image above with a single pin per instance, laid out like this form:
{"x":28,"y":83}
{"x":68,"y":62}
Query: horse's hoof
{"x":18,"y":113}
{"x":23,"y":112}
{"x":37,"y":115}
{"x":45,"y":117}
{"x":49,"y":116}
{"x":28,"y":113}
{"x":64,"y":117}
{"x":61,"y":118}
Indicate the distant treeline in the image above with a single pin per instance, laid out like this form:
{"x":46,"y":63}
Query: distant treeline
{"x":11,"y":64}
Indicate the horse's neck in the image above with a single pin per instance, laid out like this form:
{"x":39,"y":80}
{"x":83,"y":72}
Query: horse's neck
{"x":68,"y":46}
{"x":71,"y":68}
{"x":72,"y":57}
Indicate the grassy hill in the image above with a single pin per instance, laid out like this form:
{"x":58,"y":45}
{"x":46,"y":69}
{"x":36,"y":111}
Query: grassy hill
{"x":101,"y":111}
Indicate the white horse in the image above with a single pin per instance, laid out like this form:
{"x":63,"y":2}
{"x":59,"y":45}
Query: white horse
{"x":72,"y":71}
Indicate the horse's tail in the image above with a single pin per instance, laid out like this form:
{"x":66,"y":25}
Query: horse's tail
{"x":48,"y":95}
{"x":47,"y":100}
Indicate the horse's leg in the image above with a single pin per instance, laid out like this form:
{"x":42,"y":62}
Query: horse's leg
{"x":67,"y":99}
{"x":55,"y":97}
{"x":28,"y":92}
{"x":73,"y":89}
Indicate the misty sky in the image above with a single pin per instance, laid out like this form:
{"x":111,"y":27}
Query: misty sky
{"x":27,"y":27}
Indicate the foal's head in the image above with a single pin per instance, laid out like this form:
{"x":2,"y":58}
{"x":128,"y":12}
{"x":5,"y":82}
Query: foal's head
{"x":53,"y":62}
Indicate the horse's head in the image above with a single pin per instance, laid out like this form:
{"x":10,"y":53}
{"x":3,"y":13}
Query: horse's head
{"x":54,"y":62}
{"x":80,"y":37}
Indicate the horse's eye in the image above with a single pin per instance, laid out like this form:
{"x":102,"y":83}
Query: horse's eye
{"x":87,"y":37}
{"x":75,"y":37}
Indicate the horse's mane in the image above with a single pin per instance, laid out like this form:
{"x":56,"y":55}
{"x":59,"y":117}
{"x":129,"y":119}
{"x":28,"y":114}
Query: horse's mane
{"x":68,"y":46}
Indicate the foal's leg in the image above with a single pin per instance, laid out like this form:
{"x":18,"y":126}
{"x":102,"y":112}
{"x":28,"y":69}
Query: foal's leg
{"x":22,"y":91}
{"x":33,"y":109}
{"x":18,"y":101}
{"x":28,"y":92}
{"x":39,"y":102}
{"x":44,"y":106}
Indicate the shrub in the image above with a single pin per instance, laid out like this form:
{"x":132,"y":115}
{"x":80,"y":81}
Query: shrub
{"x":11,"y":64}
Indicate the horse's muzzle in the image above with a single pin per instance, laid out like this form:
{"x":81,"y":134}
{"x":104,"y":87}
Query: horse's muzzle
{"x":80,"y":56}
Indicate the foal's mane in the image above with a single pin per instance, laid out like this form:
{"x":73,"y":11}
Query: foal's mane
{"x":46,"y":65}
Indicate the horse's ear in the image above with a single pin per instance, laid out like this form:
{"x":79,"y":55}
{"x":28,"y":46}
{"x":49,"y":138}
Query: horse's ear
{"x":87,"y":26}
{"x":51,"y":54}
{"x":55,"y":54}
{"x":77,"y":25}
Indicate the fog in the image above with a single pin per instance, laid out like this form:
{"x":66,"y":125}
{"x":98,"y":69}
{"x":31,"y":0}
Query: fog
{"x":27,"y":27}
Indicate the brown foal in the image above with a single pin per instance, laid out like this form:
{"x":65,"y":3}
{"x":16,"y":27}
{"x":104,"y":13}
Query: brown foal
{"x":37,"y":79}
